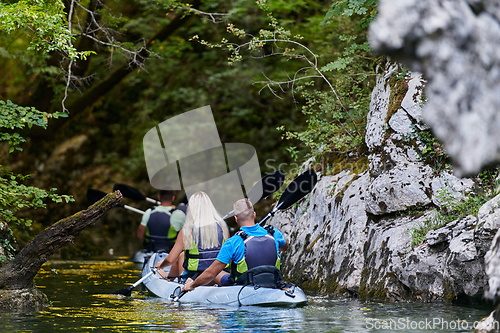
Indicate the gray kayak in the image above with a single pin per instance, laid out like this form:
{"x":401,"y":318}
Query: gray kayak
{"x":141,"y":255}
{"x":225,"y":295}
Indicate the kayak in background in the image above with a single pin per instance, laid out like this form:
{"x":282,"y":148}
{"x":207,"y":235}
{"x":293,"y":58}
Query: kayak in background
{"x":141,"y":256}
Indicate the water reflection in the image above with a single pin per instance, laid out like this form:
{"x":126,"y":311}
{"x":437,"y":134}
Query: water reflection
{"x":81,"y":302}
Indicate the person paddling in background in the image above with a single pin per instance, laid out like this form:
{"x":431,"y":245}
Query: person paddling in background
{"x":201,"y":238}
{"x":252,"y":246}
{"x":160,"y":224}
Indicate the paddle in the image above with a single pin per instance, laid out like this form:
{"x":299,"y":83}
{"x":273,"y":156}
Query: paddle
{"x":129,"y":192}
{"x":128,"y":291}
{"x":95,"y":195}
{"x":296,"y":190}
{"x":270,"y":184}
{"x":177,"y":294}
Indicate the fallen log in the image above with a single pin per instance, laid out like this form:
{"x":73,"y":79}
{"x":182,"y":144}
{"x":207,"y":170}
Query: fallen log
{"x":17,"y":276}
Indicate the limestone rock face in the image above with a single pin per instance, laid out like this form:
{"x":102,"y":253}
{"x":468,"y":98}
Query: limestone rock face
{"x":327,"y":236}
{"x":354,"y":234}
{"x":456,"y":45}
{"x":490,"y":219}
{"x":395,"y":137}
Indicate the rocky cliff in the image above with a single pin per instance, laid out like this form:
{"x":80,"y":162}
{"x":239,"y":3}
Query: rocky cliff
{"x":363,"y":231}
{"x":456,"y":45}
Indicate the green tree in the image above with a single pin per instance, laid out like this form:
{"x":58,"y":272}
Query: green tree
{"x":14,"y":195}
{"x":335,"y":96}
{"x":144,"y":68}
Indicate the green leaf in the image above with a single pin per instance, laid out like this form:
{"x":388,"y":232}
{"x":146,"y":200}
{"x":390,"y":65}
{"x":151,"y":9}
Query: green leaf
{"x":61,"y":114}
{"x":328,"y":16}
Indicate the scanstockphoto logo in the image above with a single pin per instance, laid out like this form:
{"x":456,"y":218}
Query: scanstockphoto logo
{"x":437,"y":323}
{"x":185,"y":153}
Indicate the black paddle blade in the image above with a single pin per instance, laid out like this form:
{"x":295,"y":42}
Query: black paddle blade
{"x":297,"y":189}
{"x":129,"y":192}
{"x":270,"y":184}
{"x":180,"y":295}
{"x":177,"y":294}
{"x":124,"y":291}
{"x":94,"y":195}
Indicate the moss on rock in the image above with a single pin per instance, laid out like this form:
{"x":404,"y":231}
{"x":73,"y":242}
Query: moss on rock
{"x":399,"y":88}
{"x":23,"y":300}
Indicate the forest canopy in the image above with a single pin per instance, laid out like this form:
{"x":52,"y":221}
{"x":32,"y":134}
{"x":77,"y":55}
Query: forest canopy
{"x":96,"y":75}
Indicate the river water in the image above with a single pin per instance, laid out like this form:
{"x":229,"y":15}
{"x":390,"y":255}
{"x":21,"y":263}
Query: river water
{"x":81,"y":302}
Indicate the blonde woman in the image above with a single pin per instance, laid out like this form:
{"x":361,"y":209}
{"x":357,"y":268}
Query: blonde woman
{"x":201,"y":238}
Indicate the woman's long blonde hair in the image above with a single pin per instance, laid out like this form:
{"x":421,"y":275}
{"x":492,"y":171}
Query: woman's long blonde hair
{"x":201,"y":223}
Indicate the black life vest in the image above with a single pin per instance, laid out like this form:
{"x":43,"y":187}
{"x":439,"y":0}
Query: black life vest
{"x":259,"y":251}
{"x":160,"y":235}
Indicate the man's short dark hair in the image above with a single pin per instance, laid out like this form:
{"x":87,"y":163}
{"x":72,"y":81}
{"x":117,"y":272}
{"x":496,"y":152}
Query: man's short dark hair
{"x":167,"y":195}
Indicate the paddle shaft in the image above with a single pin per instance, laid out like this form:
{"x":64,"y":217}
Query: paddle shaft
{"x":142,"y":279}
{"x":128,"y":291}
{"x":271,"y":213}
{"x":228,"y":215}
{"x":133,"y":209}
{"x":156,"y":202}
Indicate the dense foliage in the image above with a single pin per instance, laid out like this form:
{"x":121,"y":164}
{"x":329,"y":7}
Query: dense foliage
{"x":14,"y":195}
{"x":120,"y":68}
{"x":335,"y":96}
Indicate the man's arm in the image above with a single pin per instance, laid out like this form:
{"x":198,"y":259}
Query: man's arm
{"x":141,"y":231}
{"x":280,"y":239}
{"x":208,"y":275}
{"x":284,"y":247}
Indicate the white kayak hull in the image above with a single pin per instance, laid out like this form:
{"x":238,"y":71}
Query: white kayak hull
{"x":227,"y":295}
{"x":141,"y":255}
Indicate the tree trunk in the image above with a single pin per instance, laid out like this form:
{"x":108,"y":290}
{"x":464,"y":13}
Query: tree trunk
{"x":21,"y":271}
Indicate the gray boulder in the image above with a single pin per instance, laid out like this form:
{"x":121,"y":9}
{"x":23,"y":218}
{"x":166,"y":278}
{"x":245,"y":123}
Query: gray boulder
{"x":456,"y":45}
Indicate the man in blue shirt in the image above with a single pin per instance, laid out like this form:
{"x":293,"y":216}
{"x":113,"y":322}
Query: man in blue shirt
{"x":251,"y":247}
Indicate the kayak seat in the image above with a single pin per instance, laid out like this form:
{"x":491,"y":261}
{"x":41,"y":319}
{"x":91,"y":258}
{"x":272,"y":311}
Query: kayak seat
{"x":262,"y":276}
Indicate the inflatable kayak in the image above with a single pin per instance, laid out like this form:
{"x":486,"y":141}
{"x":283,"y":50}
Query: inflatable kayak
{"x":225,"y":295}
{"x":141,"y":255}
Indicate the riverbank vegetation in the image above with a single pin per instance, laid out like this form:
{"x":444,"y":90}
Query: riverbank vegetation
{"x":118,"y":69}
{"x":452,"y":208}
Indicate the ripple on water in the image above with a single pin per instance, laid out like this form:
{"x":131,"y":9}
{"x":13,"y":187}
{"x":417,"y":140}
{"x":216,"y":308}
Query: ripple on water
{"x":81,"y":302}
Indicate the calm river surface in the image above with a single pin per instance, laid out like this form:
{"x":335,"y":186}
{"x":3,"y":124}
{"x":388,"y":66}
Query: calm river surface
{"x":79,"y":292}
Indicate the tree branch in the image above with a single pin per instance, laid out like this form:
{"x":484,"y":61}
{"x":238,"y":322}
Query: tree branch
{"x":101,"y":88}
{"x":312,"y":63}
{"x":21,"y":271}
